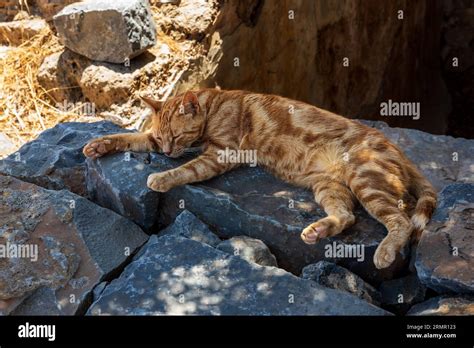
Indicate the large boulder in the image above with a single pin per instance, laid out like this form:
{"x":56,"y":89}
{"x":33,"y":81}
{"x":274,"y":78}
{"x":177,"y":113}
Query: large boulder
{"x":247,"y":201}
{"x":445,"y":305}
{"x":445,"y":254}
{"x":55,"y":247}
{"x":110,"y":31}
{"x":54,"y":160}
{"x":336,"y":277}
{"x":173,"y":275}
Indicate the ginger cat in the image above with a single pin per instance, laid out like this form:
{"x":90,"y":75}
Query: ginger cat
{"x":339,"y":159}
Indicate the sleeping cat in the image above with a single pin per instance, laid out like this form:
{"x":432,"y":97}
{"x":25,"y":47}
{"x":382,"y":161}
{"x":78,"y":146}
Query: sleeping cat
{"x":339,"y":159}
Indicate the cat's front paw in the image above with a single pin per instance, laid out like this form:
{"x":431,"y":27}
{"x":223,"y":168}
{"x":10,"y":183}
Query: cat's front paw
{"x":160,"y":182}
{"x":319,"y":230}
{"x":99,"y":147}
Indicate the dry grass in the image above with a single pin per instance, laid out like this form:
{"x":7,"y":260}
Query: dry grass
{"x":25,"y":108}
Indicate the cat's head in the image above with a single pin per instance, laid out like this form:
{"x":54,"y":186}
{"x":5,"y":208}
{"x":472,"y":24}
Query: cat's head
{"x":177,"y":123}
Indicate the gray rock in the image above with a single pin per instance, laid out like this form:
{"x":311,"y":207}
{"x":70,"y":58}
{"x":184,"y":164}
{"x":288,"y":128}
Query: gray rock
{"x":336,"y":277}
{"x":42,"y":302}
{"x":252,"y":202}
{"x":54,"y":160}
{"x":445,"y":305}
{"x":189,"y":226}
{"x":68,"y":245}
{"x":442,"y":159}
{"x":250,"y":249}
{"x":173,"y":275}
{"x":246,"y":201}
{"x":402,"y":293}
{"x":110,"y":31}
{"x":445,"y":253}
{"x":118,"y":182}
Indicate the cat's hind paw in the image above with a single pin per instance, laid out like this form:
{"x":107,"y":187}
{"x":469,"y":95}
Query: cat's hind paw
{"x":384,"y":255}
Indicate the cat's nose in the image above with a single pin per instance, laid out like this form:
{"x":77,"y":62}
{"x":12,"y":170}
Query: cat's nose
{"x":166,"y":149}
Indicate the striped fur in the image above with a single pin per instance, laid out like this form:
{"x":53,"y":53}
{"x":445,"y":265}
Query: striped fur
{"x":339,"y":159}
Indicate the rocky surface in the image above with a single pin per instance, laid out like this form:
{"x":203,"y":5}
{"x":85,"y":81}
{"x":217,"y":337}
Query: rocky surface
{"x":192,"y":19}
{"x":445,"y":305}
{"x":336,"y":277}
{"x":69,"y":76}
{"x":400,"y":294}
{"x":174,"y":275}
{"x":119,"y":183}
{"x":110,"y":31}
{"x":55,"y":247}
{"x":250,"y":249}
{"x":445,"y":254}
{"x":208,"y":43}
{"x":254,"y":202}
{"x":189,"y":226}
{"x":55,"y":160}
{"x":247,"y":201}
{"x":16,"y":32}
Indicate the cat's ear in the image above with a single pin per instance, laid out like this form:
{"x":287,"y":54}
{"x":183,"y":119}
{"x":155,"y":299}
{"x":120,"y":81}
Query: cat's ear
{"x":153,"y":104}
{"x":191,"y":103}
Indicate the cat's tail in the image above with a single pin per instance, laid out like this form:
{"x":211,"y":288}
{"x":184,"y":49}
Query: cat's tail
{"x":425,"y":194}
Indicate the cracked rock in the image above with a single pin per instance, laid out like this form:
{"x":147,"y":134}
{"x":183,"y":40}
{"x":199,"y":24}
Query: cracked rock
{"x":445,"y":254}
{"x":189,"y":226}
{"x":55,"y":247}
{"x":54,"y":160}
{"x":173,"y":275}
{"x":335,"y":277}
